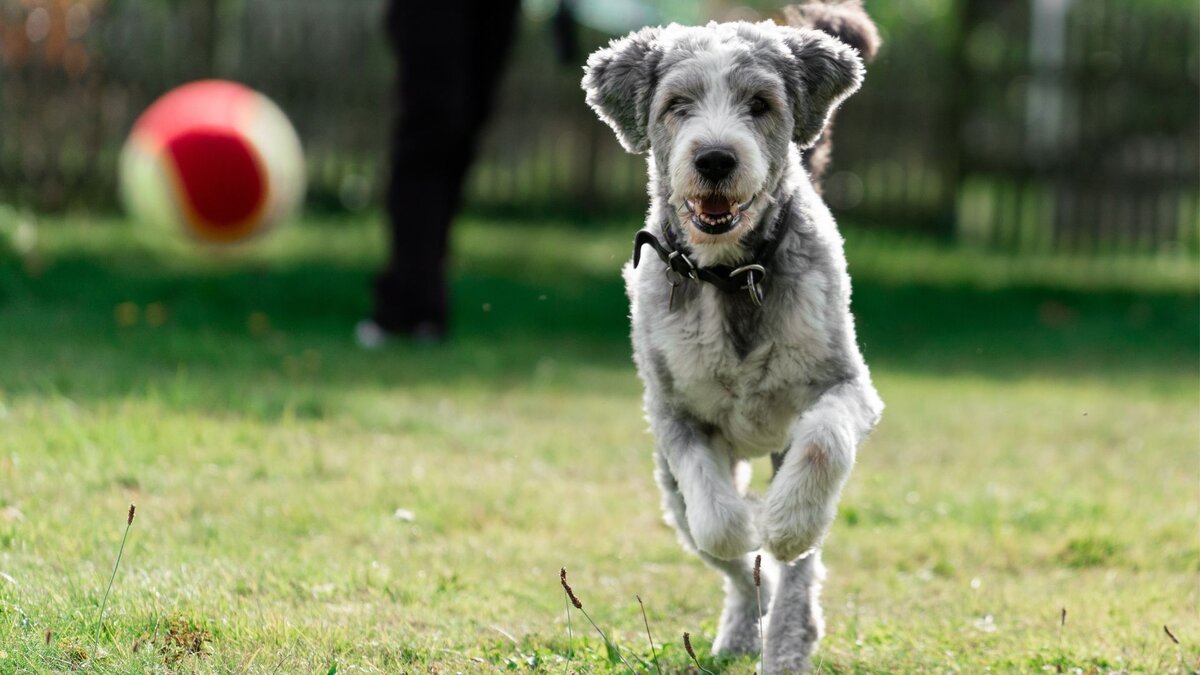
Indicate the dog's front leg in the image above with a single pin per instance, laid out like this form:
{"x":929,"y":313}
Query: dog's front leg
{"x":720,"y":521}
{"x":745,"y":601}
{"x":802,"y":500}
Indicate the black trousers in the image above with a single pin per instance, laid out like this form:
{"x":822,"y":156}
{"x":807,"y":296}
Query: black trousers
{"x":450,"y":57}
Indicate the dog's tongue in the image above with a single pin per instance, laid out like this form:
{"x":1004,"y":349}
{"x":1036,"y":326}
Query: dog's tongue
{"x":715,"y":205}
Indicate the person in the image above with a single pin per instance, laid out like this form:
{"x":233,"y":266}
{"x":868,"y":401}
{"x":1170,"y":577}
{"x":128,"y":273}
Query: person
{"x":450,"y":56}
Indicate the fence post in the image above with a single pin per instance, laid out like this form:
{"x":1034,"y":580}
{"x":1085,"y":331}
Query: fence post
{"x":209,"y":34}
{"x":956,"y":118}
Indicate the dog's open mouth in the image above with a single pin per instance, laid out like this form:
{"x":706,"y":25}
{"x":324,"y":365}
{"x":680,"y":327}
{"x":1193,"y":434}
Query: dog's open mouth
{"x":715,"y":214}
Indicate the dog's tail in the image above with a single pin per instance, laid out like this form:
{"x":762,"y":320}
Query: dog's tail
{"x":846,"y":20}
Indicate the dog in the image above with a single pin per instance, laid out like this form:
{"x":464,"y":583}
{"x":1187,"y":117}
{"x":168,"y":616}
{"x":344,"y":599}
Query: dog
{"x":742,"y":334}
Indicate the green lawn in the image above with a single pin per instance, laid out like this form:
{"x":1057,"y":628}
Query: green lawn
{"x":1040,"y":451}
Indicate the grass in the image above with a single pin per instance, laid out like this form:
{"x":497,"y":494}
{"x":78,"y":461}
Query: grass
{"x":1039,"y":452}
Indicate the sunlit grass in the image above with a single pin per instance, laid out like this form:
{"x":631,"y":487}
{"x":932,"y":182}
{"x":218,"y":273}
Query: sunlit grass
{"x":1039,"y":452}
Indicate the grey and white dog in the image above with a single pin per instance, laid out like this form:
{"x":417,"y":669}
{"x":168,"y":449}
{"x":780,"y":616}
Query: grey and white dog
{"x":743,"y":335}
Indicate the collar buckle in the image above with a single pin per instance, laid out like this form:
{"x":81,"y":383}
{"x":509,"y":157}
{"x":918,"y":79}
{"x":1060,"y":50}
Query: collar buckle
{"x":753,"y":286}
{"x":681,"y":265}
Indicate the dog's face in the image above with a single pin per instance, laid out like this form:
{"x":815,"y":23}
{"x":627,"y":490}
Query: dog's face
{"x":718,"y":108}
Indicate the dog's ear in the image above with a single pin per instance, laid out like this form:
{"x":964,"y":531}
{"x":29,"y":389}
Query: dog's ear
{"x":822,"y":72}
{"x":619,"y":81}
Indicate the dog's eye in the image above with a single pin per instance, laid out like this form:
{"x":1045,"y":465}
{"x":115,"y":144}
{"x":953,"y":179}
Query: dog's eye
{"x":758,"y":106}
{"x":678,"y":105}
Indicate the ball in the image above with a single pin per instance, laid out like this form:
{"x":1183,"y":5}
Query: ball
{"x":215,"y":159}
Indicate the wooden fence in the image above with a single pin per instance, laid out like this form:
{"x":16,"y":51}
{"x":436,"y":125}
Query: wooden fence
{"x":1017,"y":125}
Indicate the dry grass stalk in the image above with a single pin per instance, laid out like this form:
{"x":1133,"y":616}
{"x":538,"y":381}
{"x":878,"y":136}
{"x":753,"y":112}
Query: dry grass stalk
{"x":117,"y":564}
{"x":649,"y":637}
{"x":762,"y":637}
{"x":562,"y":577}
{"x":687,"y":645}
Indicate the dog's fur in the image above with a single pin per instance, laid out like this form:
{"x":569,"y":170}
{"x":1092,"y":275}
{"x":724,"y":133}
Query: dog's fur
{"x":726,"y":381}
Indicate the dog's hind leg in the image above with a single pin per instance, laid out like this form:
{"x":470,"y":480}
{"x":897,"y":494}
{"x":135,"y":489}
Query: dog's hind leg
{"x":738,"y":632}
{"x":740,"y":619}
{"x":796,"y":620}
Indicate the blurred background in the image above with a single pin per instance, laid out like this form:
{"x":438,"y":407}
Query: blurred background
{"x":1041,"y":125}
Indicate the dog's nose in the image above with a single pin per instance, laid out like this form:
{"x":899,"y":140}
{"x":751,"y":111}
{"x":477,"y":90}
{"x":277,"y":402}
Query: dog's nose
{"x":715,"y":164}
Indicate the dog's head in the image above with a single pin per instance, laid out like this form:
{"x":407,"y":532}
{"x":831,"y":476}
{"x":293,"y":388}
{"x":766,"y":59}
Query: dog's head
{"x":718,"y":108}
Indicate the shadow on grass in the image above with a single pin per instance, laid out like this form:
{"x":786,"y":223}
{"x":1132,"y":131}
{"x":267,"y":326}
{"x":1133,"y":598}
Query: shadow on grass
{"x":278,"y":339}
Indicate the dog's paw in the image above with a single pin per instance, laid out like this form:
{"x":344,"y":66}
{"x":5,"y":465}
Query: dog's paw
{"x":723,"y":529}
{"x":787,"y":546}
{"x":790,"y":528}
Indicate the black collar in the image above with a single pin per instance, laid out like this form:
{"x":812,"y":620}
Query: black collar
{"x":727,"y":278}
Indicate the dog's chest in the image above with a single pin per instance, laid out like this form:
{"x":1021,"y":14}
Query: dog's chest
{"x":746,"y":372}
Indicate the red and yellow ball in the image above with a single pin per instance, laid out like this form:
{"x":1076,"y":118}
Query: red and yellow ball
{"x":215,"y":159}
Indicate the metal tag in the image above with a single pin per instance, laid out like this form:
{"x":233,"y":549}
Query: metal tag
{"x":675,"y":279}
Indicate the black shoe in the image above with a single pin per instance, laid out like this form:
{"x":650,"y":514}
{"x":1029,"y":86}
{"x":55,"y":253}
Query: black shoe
{"x":370,"y":335}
